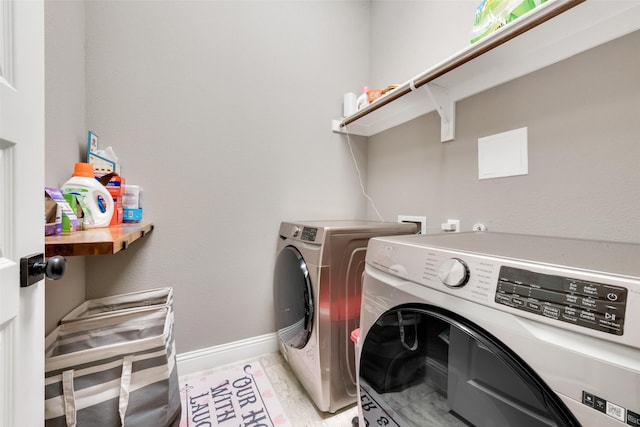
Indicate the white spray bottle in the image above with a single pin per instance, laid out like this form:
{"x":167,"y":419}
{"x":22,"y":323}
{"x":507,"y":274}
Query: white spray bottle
{"x":363,"y":100}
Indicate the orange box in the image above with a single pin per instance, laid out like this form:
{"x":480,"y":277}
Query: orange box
{"x":374,"y":94}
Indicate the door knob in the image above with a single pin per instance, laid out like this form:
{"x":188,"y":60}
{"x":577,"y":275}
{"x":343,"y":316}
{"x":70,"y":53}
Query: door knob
{"x":33,"y":268}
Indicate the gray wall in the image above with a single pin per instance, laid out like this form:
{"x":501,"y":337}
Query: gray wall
{"x":407,"y":36}
{"x":221,"y":111}
{"x":65,"y":131}
{"x":583,"y":127}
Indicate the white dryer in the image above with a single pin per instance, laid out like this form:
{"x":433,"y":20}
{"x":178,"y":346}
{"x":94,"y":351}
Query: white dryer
{"x":317,"y":289}
{"x":493,"y":329}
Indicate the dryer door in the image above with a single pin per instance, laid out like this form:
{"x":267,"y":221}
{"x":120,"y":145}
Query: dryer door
{"x":423,"y":365}
{"x":293,"y":298}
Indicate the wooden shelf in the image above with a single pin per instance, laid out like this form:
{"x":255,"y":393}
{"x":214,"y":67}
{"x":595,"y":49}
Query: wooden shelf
{"x":550,"y":33}
{"x":97,"y":241}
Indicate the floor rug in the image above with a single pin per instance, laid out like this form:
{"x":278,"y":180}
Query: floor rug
{"x":240,"y":395}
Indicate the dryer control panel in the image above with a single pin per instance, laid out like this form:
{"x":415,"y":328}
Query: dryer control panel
{"x":593,"y":305}
{"x":309,"y":234}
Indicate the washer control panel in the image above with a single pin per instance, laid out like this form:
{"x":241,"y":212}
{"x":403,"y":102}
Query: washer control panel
{"x":580,"y":285}
{"x":584,"y":303}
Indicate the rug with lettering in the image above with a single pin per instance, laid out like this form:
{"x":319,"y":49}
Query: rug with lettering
{"x":241,"y":395}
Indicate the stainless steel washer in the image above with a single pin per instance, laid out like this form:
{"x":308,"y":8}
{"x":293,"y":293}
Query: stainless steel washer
{"x":317,"y":292}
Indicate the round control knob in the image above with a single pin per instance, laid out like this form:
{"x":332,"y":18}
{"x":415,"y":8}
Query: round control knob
{"x":454,"y":272}
{"x":295,"y":231}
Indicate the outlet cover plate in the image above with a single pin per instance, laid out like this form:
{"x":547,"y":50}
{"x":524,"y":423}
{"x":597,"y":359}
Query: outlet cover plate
{"x":420,"y":220}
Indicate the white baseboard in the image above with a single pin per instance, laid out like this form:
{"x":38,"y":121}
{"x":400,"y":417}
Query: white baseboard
{"x":211,"y":357}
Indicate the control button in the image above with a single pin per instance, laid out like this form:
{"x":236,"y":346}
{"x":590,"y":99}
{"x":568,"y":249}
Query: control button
{"x":551,"y":312}
{"x":633,"y":419}
{"x":590,"y":289}
{"x":295,"y":230}
{"x":588,"y":399}
{"x":534,"y":306}
{"x":503,"y":299}
{"x":600,"y":404}
{"x":587,"y":315}
{"x":454,"y":273}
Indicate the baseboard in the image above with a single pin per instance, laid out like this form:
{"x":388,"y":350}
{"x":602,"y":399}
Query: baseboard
{"x":211,"y":357}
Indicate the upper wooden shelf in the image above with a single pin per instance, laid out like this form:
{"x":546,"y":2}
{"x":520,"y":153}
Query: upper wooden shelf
{"x":556,"y":30}
{"x":96,"y":241}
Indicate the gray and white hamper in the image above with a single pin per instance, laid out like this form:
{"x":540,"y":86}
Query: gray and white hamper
{"x":130,"y":301}
{"x":113,"y":369}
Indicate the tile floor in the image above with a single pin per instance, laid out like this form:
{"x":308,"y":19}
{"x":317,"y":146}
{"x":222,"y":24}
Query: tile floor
{"x":294,"y":400}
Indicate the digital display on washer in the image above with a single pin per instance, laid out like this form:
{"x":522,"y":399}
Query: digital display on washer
{"x":309,"y":234}
{"x":589,"y":304}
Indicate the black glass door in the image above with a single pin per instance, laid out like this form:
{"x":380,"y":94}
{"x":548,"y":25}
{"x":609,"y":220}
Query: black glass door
{"x":424,"y":366}
{"x":293,"y":298}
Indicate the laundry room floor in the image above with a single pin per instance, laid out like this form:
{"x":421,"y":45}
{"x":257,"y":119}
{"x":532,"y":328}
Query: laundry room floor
{"x":295,"y":402}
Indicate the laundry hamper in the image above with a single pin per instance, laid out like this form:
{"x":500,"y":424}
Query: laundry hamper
{"x":114,"y":369}
{"x":119,"y":303}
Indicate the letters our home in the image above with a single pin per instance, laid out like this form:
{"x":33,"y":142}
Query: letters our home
{"x":221,"y":400}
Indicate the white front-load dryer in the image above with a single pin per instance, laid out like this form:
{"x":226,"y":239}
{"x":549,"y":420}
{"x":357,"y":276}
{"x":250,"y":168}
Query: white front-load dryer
{"x":317,"y":290}
{"x":499,"y":330}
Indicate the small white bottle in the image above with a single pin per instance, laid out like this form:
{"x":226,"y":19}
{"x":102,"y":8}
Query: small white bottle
{"x":349,"y":104}
{"x":93,"y":197}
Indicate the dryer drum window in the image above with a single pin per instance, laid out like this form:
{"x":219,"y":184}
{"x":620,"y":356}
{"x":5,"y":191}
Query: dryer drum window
{"x":293,"y":298}
{"x":421,"y":363}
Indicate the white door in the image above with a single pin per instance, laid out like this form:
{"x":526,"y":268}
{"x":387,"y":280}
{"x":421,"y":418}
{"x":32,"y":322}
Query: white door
{"x":21,"y":210}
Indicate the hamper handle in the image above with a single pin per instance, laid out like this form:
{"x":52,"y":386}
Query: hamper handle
{"x":125,"y":386}
{"x":69,"y":398}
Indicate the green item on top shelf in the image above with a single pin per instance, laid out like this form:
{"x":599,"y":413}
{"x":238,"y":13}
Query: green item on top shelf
{"x":493,"y":14}
{"x":522,"y":8}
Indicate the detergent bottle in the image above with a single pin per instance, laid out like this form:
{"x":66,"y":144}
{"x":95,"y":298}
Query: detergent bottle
{"x":93,"y":197}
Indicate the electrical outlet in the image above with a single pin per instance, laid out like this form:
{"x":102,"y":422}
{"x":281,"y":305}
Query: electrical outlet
{"x":452,"y":226}
{"x":420,"y":221}
{"x":478,"y":226}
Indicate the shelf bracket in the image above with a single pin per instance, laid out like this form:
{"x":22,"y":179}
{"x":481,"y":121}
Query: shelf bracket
{"x":336,"y":128}
{"x":446,"y":108}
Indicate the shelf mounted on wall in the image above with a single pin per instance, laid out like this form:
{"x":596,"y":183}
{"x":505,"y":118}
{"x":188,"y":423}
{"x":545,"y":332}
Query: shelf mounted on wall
{"x":417,"y":102}
{"x":97,"y":241}
{"x":556,"y":30}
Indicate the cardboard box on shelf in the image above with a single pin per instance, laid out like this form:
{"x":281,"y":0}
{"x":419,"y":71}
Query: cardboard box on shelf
{"x":56,"y":206}
{"x":96,"y":157}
